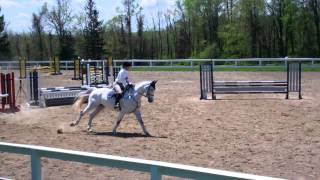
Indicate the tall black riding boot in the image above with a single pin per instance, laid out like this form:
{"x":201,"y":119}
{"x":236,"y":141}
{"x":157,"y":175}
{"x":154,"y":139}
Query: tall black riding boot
{"x":117,"y":102}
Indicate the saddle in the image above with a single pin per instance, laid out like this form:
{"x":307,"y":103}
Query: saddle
{"x":124,"y":90}
{"x":119,"y":96}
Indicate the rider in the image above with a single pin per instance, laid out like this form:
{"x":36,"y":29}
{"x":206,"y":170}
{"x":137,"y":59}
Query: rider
{"x":121,"y":82}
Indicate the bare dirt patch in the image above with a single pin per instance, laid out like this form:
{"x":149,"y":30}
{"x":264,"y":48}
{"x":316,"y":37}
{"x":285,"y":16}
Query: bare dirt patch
{"x":258,"y":134}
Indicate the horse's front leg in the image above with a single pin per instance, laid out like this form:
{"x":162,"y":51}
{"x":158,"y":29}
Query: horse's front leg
{"x":116,"y":124}
{"x":139,"y":119}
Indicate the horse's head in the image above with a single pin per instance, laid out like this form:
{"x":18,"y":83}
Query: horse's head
{"x":151,"y":88}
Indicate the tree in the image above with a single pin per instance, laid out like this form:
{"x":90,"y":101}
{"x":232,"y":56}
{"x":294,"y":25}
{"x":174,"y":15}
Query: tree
{"x":251,"y":10}
{"x":79,"y":35}
{"x":154,"y":41}
{"x":93,"y":32}
{"x":140,"y":27}
{"x":160,"y":36}
{"x":17,"y":45}
{"x":169,"y":34}
{"x":277,"y":10}
{"x":315,"y":6}
{"x":60,"y":19}
{"x":192,"y":28}
{"x":4,"y":42}
{"x":229,"y":5}
{"x":129,"y":8}
{"x":304,"y":30}
{"x":183,"y":49}
{"x":37,"y":26}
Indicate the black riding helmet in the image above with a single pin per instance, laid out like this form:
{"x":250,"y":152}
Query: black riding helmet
{"x":126,"y":64}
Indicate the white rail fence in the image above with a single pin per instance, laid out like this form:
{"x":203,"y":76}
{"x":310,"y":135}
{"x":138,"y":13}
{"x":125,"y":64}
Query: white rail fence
{"x":219,"y":63}
{"x":181,"y":63}
{"x":156,"y":168}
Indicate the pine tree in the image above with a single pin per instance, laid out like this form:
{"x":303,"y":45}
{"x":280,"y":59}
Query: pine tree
{"x":4,"y":43}
{"x":93,"y":32}
{"x":66,"y":50}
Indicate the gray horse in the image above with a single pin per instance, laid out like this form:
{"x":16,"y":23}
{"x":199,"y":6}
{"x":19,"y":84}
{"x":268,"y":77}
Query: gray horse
{"x":98,"y":98}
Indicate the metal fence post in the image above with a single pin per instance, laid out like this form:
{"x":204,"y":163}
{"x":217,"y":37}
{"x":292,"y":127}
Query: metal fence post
{"x":155,"y":174}
{"x":312,"y":63}
{"x":35,"y":165}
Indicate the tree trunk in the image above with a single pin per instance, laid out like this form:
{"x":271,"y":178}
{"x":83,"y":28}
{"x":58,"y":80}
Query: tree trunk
{"x":316,"y":21}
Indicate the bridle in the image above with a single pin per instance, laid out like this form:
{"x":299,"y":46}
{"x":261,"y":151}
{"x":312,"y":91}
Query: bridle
{"x":148,"y":95}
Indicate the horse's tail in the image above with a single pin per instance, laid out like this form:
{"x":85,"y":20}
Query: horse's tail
{"x":81,"y":98}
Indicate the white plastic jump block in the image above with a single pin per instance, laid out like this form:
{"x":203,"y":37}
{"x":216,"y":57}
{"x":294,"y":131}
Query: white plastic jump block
{"x":4,"y":95}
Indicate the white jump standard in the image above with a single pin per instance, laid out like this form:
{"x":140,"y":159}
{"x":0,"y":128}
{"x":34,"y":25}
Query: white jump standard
{"x":292,"y":84}
{"x":94,"y":72}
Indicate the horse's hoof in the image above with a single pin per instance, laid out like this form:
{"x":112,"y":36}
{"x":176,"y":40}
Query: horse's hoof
{"x":114,"y":133}
{"x":147,"y":134}
{"x":72,"y":124}
{"x":90,"y":130}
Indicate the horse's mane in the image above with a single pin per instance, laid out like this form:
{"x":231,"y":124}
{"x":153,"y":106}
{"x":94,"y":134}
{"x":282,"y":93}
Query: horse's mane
{"x":142,"y":83}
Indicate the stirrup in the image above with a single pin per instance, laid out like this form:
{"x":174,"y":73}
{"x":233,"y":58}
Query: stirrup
{"x":117,"y":107}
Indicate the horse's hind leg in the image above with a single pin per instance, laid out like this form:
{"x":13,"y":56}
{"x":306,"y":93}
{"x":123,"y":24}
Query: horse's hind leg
{"x":92,"y":115}
{"x":89,"y":107}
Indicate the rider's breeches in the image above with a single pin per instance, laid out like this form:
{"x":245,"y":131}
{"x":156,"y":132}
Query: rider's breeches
{"x":118,"y":87}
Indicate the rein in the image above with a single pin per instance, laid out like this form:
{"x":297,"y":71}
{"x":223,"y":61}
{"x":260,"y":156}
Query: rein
{"x":147,"y":93}
{"x":142,"y":94}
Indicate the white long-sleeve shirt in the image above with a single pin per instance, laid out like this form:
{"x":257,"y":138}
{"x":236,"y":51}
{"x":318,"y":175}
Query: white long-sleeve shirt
{"x":123,"y":77}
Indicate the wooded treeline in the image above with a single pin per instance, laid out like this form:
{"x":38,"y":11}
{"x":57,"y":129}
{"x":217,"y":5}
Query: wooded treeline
{"x":192,"y":29}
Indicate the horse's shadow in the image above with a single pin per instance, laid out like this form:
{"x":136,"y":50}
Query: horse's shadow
{"x":125,"y":135}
